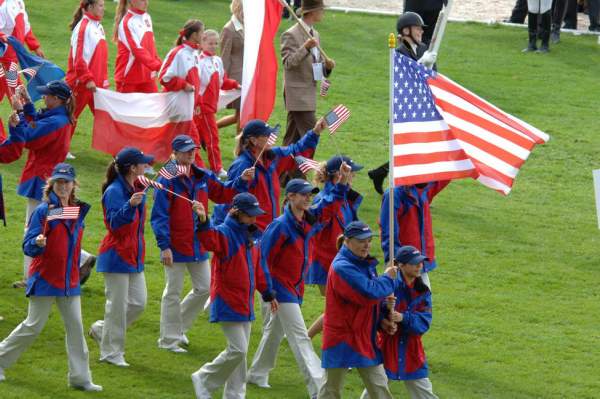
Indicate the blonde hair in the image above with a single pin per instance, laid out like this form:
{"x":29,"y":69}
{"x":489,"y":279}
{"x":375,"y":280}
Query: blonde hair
{"x":241,"y":144}
{"x":237,"y":9}
{"x":210,"y":32}
{"x":119,"y":15}
{"x":49,"y":186}
{"x":321,"y":175}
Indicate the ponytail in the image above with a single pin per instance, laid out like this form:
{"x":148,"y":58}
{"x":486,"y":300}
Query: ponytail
{"x":112,"y":171}
{"x":70,"y":107}
{"x":78,"y":14}
{"x":119,"y":14}
{"x":321,"y":175}
{"x":189,"y":28}
{"x":339,"y":242}
{"x":241,"y":144}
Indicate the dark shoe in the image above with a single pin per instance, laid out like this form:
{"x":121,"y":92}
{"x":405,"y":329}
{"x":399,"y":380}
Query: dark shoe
{"x":19,"y":284}
{"x":531,"y":47}
{"x":555,"y":37}
{"x":86,"y":269}
{"x":378,"y":175}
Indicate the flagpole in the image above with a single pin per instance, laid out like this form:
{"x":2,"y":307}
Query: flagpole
{"x":259,"y":155}
{"x":440,"y":27}
{"x":391,"y":236}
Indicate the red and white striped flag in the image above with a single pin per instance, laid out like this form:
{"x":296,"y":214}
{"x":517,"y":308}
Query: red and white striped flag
{"x":12,"y":75}
{"x":325,"y":84}
{"x":306,"y":164}
{"x":272,"y":138}
{"x":336,"y":117}
{"x":443,"y":131}
{"x":29,"y":72}
{"x":145,"y":182}
{"x":64,"y":213}
{"x":171,"y":170}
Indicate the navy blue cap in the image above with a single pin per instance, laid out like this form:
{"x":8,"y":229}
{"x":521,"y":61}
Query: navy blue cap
{"x":63,"y":171}
{"x":183,"y":143}
{"x":300,"y":186}
{"x":132,"y":156}
{"x":358,"y":230}
{"x":56,"y":88}
{"x":248,"y":204}
{"x":256,"y":128}
{"x":409,"y":254}
{"x":335,"y":163}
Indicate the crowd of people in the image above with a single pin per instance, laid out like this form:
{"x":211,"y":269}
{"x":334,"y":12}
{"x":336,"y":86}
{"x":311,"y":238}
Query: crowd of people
{"x":372,"y":323}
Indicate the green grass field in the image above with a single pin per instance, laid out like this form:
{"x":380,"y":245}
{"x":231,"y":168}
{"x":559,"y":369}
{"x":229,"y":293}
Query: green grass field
{"x":516,"y":302}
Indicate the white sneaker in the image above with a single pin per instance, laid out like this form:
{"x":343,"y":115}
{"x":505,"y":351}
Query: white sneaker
{"x":119,"y":361}
{"x":222,"y":174}
{"x":259,"y":382}
{"x":92,"y":334}
{"x":199,"y":388}
{"x":88,"y":387}
{"x":2,"y":376}
{"x":176,"y":349}
{"x":184,"y":340}
{"x":70,"y":156}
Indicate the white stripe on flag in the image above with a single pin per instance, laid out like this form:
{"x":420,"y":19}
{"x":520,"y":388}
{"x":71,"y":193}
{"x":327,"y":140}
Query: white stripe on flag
{"x":429,"y":168}
{"x":493,"y":184}
{"x":420,"y":127}
{"x":254,"y":11}
{"x":490,"y":160}
{"x":426,"y":148}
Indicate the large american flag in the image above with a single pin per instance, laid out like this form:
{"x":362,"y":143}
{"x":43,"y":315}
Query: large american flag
{"x":64,"y":213}
{"x":443,"y":131}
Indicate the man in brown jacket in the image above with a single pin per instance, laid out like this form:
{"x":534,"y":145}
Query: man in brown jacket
{"x":303,"y":67}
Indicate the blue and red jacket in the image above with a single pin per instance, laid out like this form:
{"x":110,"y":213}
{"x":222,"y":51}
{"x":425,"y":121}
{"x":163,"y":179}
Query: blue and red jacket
{"x":236,"y":270}
{"x":412,"y":221}
{"x":403,"y":354}
{"x":352,"y":311}
{"x":123,"y":248}
{"x":47,"y":136}
{"x":326,"y":239}
{"x":12,"y":147}
{"x":287,"y":245}
{"x":265,"y":186}
{"x":54,"y":270}
{"x":173,"y":219}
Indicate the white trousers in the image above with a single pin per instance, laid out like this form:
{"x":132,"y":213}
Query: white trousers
{"x":26,"y":333}
{"x":31,"y":205}
{"x":229,"y":368}
{"x":177,"y":316}
{"x":125,"y":302}
{"x":417,"y":389}
{"x":374,"y":378}
{"x":288,"y":322}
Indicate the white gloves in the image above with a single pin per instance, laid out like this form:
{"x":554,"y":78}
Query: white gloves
{"x":428,"y":59}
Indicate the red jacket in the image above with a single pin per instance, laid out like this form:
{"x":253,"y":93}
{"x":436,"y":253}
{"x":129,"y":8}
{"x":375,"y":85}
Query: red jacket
{"x":213,"y":78}
{"x":181,"y":66}
{"x":88,"y":57}
{"x":137,"y":61}
{"x":14,"y":21}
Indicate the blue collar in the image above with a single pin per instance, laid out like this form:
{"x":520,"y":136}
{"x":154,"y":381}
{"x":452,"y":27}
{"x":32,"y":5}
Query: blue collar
{"x":124,"y":183}
{"x":60,"y":110}
{"x":355,"y":260}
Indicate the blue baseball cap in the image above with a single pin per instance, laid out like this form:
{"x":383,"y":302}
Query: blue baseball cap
{"x":63,"y":171}
{"x":256,"y":128}
{"x":56,"y":88}
{"x":132,"y":156}
{"x":248,"y":204}
{"x":359,"y":230}
{"x":183,"y":143}
{"x":300,"y":186}
{"x":335,"y":163}
{"x":409,"y":254}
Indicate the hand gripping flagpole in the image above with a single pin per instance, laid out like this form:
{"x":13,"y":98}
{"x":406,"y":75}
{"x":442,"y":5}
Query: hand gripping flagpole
{"x":391,"y":236}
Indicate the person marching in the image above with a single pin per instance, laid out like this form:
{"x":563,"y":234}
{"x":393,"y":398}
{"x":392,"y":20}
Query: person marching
{"x":181,"y":70}
{"x":88,"y":57}
{"x":121,"y":254}
{"x":353,"y":294}
{"x":303,"y":66}
{"x":47,"y":134}
{"x":54,"y":277}
{"x":412,"y":221}
{"x":326,"y":239}
{"x":286,"y":249}
{"x":137,"y":63}
{"x":236,"y":273}
{"x":400,"y":340}
{"x":232,"y":54}
{"x":410,"y":35}
{"x":173,"y":223}
{"x":213,"y":78}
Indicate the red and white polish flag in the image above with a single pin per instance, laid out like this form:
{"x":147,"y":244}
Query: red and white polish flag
{"x":259,"y":79}
{"x":148,"y":121}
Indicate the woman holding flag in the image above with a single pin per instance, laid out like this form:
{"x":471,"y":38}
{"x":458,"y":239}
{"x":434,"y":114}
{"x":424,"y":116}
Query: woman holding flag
{"x":121,"y":254}
{"x":53,"y":241}
{"x":137,"y":63}
{"x":173,"y":222}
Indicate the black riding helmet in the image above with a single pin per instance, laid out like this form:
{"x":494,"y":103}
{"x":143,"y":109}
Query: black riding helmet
{"x":407,"y":20}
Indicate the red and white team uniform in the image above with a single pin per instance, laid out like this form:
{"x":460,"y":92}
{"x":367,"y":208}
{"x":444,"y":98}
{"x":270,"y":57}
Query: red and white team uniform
{"x":137,"y":62}
{"x":212,"y":79}
{"x":88,"y":61}
{"x":14,"y":22}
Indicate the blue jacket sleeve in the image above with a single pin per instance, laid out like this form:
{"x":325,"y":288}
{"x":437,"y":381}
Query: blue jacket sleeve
{"x":308,"y":142}
{"x":223,"y":192}
{"x":269,"y":244}
{"x":118,"y":210}
{"x":384,"y":222}
{"x":328,"y":205}
{"x":36,"y":224}
{"x":368,"y":289}
{"x":160,"y":217}
{"x":418,"y":321}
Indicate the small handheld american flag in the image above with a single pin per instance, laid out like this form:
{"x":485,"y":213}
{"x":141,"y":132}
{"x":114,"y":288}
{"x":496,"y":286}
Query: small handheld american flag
{"x":12,"y":75}
{"x":324,"y":87}
{"x":64,"y":213}
{"x":171,"y":170}
{"x":272,"y":138}
{"x":145,"y":182}
{"x":29,"y":72}
{"x":336,"y":117}
{"x":306,"y":164}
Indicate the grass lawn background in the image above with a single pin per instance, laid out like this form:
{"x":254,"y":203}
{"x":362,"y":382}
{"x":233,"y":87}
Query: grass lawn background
{"x":516,"y":302}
